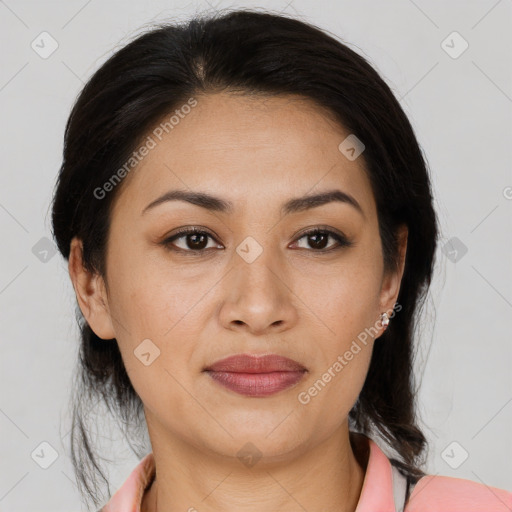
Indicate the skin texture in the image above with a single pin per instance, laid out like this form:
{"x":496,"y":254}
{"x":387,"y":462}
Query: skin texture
{"x":293,"y":300}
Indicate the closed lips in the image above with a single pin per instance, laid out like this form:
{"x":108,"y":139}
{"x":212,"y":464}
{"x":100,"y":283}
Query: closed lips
{"x":256,"y":376}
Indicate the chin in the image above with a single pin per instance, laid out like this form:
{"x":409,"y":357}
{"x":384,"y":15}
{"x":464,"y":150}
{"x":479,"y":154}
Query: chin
{"x":258,"y":449}
{"x":261,"y":436}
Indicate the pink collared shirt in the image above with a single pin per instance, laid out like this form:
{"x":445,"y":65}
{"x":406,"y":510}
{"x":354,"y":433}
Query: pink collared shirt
{"x":430,"y":494}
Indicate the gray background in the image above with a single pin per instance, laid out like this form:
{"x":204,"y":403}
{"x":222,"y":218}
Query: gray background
{"x":460,"y":107}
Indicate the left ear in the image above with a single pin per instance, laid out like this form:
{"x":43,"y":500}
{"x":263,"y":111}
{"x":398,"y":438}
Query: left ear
{"x":392,"y":278}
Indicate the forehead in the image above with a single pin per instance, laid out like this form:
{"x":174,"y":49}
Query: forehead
{"x":264,"y":148}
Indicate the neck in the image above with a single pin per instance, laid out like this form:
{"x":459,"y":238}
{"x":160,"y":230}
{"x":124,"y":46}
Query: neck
{"x":327,"y":478}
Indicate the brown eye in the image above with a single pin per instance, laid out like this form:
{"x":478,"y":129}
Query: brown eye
{"x":318,"y":239}
{"x":194,"y":240}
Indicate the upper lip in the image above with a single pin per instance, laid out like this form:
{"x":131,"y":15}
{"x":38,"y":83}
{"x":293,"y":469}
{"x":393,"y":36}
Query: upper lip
{"x":247,"y":363}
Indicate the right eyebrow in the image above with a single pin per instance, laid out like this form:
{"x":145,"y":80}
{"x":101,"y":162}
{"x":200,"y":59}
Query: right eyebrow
{"x":198,"y":198}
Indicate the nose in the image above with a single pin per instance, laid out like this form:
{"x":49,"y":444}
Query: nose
{"x":258,"y":298}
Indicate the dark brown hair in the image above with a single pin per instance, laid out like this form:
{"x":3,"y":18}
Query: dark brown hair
{"x":255,"y":53}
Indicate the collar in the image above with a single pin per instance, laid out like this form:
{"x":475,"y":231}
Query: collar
{"x":377,"y":490}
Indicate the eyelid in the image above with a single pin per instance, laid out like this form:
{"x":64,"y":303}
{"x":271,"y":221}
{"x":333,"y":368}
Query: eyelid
{"x":321,"y":228}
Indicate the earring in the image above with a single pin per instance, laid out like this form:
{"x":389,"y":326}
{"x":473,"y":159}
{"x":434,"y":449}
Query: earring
{"x":384,"y":320}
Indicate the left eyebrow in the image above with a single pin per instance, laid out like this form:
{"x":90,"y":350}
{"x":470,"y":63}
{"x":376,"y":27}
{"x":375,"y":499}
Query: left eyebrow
{"x":313,"y":201}
{"x":294,"y":205}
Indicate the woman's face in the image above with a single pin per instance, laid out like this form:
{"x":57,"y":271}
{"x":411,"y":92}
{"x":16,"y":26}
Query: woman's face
{"x":251,"y":282}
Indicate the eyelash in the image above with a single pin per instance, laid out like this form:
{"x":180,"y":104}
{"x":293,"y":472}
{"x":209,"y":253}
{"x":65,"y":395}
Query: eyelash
{"x":340,"y":239}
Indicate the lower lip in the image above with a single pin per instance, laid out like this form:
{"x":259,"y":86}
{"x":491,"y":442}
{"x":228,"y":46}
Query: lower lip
{"x":257,"y":384}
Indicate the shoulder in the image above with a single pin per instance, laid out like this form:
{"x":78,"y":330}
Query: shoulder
{"x":434,"y":493}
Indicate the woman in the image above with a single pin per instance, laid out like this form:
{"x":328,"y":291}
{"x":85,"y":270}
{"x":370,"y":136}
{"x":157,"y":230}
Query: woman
{"x":249,"y":226}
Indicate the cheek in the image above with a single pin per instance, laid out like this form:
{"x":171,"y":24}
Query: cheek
{"x":168,"y":314}
{"x":348,"y":309}
{"x":344,"y":300}
{"x":151,"y":297}
{"x":153,"y":303}
{"x":345,"y":303}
